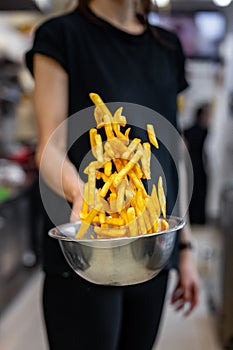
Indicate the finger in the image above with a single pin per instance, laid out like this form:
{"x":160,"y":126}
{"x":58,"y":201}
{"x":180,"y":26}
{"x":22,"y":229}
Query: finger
{"x":74,"y":216}
{"x":195,"y":299}
{"x":177,"y":294}
{"x":187,"y":292}
{"x":179,"y":305}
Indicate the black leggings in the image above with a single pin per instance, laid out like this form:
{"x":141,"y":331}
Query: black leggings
{"x":83,"y":316}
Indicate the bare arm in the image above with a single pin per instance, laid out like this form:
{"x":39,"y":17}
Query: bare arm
{"x":51,"y":108}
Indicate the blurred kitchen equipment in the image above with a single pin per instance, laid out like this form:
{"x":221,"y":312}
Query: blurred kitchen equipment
{"x":11,"y":174}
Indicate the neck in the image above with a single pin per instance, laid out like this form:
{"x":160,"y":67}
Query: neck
{"x":120,"y":13}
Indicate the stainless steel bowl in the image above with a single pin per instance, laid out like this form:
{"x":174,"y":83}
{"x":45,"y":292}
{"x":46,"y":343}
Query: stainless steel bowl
{"x":117,"y":261}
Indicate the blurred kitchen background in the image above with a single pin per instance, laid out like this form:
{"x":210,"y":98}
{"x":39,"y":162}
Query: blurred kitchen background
{"x":206,"y":31}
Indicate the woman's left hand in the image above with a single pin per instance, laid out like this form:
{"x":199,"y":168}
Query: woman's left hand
{"x":187,"y":288}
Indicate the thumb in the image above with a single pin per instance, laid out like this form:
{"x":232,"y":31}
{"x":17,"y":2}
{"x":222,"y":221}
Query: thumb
{"x":76,"y":209}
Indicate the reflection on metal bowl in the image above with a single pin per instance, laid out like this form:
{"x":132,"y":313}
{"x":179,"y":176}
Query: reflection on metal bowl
{"x":117,"y":261}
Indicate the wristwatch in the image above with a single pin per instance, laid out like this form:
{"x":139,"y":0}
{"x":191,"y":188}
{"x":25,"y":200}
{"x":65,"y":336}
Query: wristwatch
{"x":185,"y":245}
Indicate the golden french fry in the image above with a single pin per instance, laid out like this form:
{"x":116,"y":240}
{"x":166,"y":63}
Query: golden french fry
{"x":82,"y":229}
{"x":83,"y":215}
{"x":92,"y":135}
{"x":140,"y":200}
{"x":137,"y":183}
{"x":118,"y":146}
{"x":98,"y":175}
{"x":142,"y":205}
{"x":96,"y":219}
{"x":106,"y":206}
{"x":87,"y":221}
{"x":95,"y":164}
{"x":120,"y":195}
{"x":118,"y":164}
{"x":138,"y":171}
{"x":105,"y":179}
{"x":108,"y":127}
{"x":141,"y":223}
{"x":121,"y":136}
{"x":108,"y":168}
{"x":155,"y":227}
{"x":98,"y":114}
{"x":118,"y":118}
{"x":129,"y":194}
{"x":110,"y":232}
{"x":102,"y":217}
{"x":131,"y":148}
{"x":85,"y":205}
{"x":91,"y":184}
{"x":108,"y":149}
{"x":119,"y":177}
{"x":106,"y":157}
{"x":112,"y":200}
{"x":145,"y":160}
{"x":115,"y":221}
{"x":107,"y":185}
{"x":97,"y":100}
{"x":162,"y":198}
{"x":104,"y":225}
{"x":112,"y":188}
{"x":133,"y":228}
{"x":127,"y":133}
{"x":116,"y":125}
{"x":99,"y":148}
{"x":152,"y":136}
{"x":123,"y":214}
{"x":164,"y":225}
{"x":152,"y":215}
{"x":146,"y":218}
{"x":155,"y":201}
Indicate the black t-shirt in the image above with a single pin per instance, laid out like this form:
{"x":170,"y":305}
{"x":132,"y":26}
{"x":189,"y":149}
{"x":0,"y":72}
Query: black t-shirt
{"x":195,"y":137}
{"x":119,"y":66}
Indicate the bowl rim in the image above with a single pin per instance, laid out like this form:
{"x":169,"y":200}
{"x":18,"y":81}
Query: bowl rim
{"x":56,"y":232}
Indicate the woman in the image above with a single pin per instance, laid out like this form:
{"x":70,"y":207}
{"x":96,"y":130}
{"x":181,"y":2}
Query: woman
{"x":105,"y":46}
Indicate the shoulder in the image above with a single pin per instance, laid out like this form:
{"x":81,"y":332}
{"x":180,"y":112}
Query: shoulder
{"x":167,"y":35}
{"x":169,"y":39}
{"x":61,"y":22}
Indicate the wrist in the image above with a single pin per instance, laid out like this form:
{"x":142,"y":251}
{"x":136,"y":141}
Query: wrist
{"x":76,"y":193}
{"x":185,"y":245}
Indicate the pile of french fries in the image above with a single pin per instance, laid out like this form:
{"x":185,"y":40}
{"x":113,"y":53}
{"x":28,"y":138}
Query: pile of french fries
{"x":122,"y":207}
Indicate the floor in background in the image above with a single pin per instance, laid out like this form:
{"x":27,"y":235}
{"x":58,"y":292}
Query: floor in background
{"x":10,"y":287}
{"x":21,"y":326}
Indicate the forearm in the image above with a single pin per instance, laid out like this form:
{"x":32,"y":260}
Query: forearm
{"x":51,"y":109}
{"x":185,"y":234}
{"x":58,"y":172}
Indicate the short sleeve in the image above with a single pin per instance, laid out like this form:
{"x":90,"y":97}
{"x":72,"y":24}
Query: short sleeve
{"x":48,"y":41}
{"x":182,"y":83}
